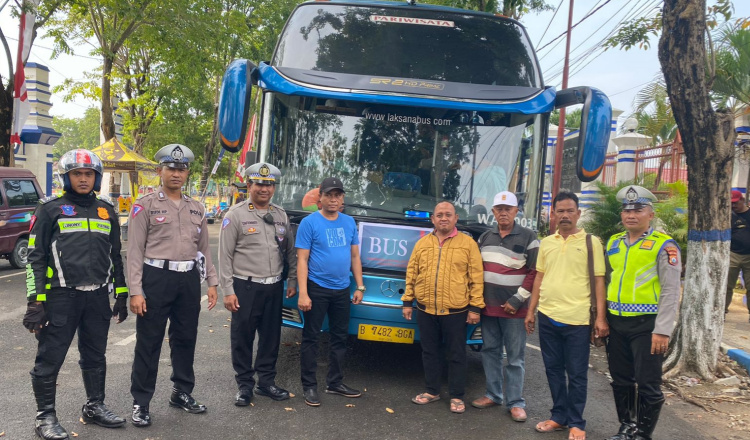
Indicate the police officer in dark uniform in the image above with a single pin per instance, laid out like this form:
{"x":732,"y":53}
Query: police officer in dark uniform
{"x":74,"y":255}
{"x":168,"y":257}
{"x":642,"y":300}
{"x":254,"y":244}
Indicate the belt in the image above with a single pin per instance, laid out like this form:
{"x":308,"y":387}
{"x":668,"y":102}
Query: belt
{"x":261,"y":280}
{"x":175,"y":266}
{"x":89,"y":287}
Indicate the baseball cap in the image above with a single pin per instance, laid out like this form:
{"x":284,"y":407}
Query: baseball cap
{"x":736,"y":196}
{"x":505,"y":198}
{"x":331,"y":183}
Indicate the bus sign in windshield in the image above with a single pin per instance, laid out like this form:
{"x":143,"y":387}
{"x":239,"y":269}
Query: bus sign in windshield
{"x":411,"y":20}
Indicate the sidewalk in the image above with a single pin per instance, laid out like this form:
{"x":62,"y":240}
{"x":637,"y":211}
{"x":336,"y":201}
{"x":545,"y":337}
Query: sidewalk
{"x":737,"y":330}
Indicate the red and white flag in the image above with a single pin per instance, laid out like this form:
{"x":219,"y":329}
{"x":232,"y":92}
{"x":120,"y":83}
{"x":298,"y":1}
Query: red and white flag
{"x":21,"y":106}
{"x":249,"y":141}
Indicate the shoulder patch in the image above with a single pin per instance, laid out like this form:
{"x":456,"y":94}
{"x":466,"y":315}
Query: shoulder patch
{"x":672,"y":255}
{"x":49,"y":199}
{"x":136,"y":210}
{"x":225,"y":223}
{"x":106,"y":200}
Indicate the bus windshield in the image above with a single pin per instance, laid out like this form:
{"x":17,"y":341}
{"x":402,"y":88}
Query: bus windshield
{"x":407,"y":42}
{"x":396,"y":162}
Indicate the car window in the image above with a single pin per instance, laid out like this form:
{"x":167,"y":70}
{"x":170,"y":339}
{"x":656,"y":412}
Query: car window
{"x":20,"y":192}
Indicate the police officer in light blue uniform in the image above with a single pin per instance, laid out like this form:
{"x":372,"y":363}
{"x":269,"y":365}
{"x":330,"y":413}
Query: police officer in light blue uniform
{"x":642,"y":300}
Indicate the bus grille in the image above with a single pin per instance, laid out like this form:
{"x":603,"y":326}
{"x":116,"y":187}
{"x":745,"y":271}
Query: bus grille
{"x":291,"y":315}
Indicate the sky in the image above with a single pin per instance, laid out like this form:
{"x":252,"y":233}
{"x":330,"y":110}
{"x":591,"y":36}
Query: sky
{"x":618,"y":73}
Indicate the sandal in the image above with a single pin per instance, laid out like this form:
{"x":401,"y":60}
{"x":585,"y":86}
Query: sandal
{"x":549,"y":426}
{"x":576,"y":434}
{"x":458,"y":406}
{"x":424,"y":398}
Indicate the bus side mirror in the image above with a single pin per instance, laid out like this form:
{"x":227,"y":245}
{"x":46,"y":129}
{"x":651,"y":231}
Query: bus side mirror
{"x":234,"y":103}
{"x":593,"y":136}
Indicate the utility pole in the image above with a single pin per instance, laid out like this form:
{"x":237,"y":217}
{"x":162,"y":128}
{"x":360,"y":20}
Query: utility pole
{"x":560,"y":141}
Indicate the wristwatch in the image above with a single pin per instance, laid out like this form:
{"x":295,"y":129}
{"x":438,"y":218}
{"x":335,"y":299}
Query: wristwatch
{"x":361,"y":288}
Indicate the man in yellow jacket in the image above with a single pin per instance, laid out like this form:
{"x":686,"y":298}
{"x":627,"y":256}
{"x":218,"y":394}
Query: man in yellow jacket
{"x":445,"y":277}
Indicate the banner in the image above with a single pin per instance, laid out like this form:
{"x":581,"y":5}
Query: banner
{"x":21,"y":105}
{"x":388,"y":246}
{"x":249,"y":141}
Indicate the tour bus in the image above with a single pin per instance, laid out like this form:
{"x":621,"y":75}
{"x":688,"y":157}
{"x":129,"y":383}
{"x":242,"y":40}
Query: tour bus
{"x":408,"y":104}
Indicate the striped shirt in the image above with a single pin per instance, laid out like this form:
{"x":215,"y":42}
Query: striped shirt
{"x":509,"y":270}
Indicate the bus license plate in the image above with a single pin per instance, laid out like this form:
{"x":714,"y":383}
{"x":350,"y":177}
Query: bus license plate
{"x":382,"y":333}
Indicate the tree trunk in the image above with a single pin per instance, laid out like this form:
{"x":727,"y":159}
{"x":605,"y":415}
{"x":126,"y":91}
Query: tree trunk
{"x":209,"y":148}
{"x":108,"y":121}
{"x":6,"y":121}
{"x":708,"y":139}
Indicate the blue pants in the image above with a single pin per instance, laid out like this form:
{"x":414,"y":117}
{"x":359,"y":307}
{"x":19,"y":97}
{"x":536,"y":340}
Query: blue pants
{"x":565,"y":351}
{"x":510,"y":333}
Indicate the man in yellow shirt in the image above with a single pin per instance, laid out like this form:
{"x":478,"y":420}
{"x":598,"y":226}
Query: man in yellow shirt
{"x":563,"y":293}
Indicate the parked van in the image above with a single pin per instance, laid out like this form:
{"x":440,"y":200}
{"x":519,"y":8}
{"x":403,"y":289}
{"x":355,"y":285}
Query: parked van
{"x":19,"y":196}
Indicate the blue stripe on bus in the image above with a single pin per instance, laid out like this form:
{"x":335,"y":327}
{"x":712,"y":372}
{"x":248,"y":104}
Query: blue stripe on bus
{"x":272,"y":81}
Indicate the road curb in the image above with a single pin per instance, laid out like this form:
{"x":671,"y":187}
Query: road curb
{"x":737,"y":355}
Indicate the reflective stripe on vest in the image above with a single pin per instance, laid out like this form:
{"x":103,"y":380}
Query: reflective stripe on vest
{"x":68,"y":226}
{"x":634,"y":288}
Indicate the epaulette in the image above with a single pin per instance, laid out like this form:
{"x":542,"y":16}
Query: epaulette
{"x":278,"y":207}
{"x":106,"y":200}
{"x":49,"y":199}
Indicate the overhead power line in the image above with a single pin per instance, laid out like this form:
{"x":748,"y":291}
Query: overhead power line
{"x":579,"y":22}
{"x":550,"y":22}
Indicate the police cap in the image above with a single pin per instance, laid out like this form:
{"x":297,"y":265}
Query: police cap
{"x":174,"y":156}
{"x":635,"y":197}
{"x":263,"y":173}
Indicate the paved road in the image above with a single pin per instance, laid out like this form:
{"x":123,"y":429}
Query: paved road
{"x":389,"y":374}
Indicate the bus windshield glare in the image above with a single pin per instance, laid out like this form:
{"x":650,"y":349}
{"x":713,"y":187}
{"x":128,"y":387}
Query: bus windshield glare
{"x":395,"y":162}
{"x":416,"y":43}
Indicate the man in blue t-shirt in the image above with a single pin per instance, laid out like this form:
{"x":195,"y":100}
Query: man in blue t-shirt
{"x":327,"y":248}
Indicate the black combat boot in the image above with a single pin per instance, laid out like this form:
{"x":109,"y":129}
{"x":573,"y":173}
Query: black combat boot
{"x":47,"y":426}
{"x":95,"y":411}
{"x":625,"y":404}
{"x":648,"y":415}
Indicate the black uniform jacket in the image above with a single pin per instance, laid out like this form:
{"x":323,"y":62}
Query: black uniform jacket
{"x":74,"y":241}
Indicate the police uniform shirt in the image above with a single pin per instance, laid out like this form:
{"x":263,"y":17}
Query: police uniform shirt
{"x":248,"y":246}
{"x":669,"y":270}
{"x":158,"y":229}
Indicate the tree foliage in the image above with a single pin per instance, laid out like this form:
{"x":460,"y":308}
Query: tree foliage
{"x":654,"y":113}
{"x":572,"y":118}
{"x":731,"y":83}
{"x":43,"y":14}
{"x":509,"y":8}
{"x":77,"y":132}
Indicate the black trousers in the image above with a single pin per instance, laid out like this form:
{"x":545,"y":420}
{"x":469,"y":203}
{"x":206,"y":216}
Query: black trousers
{"x":335,"y":303}
{"x":260,"y":310}
{"x":450,"y":329}
{"x":630,"y":358}
{"x":169,"y":295}
{"x":69,"y":310}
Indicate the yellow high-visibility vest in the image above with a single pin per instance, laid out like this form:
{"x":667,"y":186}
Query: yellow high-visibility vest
{"x":634,"y":287}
